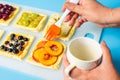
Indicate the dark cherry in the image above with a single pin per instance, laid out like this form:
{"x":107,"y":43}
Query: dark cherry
{"x":0,"y":16}
{"x":13,"y":9}
{"x":5,"y":16}
{"x":7,"y":12}
{"x":2,"y":10}
{"x":10,"y":8}
{"x":1,"y":6}
{"x":6,"y":6}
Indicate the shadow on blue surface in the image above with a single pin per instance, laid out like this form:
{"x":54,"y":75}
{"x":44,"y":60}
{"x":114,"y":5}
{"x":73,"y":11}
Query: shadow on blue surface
{"x":14,"y":75}
{"x":112,"y":40}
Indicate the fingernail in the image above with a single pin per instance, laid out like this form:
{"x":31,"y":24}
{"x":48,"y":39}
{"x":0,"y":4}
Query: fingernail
{"x":103,"y":42}
{"x":71,"y":23}
{"x":77,"y":25}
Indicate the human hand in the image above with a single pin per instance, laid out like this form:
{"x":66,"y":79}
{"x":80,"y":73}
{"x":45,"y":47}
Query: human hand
{"x":89,"y":10}
{"x":105,"y":71}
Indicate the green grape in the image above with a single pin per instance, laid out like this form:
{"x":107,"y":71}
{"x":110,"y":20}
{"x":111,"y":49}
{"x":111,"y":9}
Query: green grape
{"x":39,"y":18}
{"x":19,"y":22}
{"x":33,"y":15}
{"x":26,"y":19}
{"x":23,"y":18}
{"x":25,"y":14}
{"x":25,"y":23}
{"x":31,"y":26}
{"x":34,"y":24}
{"x":36,"y":21}
{"x":30,"y":19}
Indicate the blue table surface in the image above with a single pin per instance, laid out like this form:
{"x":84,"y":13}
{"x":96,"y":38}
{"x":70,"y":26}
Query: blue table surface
{"x":110,"y":35}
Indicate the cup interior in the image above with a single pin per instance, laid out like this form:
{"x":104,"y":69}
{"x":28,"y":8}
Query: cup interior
{"x":85,"y":49}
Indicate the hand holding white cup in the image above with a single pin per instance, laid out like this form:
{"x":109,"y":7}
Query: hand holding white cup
{"x":83,"y":53}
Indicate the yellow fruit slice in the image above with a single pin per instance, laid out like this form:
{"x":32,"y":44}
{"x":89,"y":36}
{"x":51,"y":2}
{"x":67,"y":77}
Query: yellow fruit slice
{"x":36,"y":54}
{"x":47,"y":59}
{"x":54,"y":48}
{"x":42,"y":56}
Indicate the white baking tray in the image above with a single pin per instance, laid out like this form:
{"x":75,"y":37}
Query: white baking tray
{"x":23,"y":66}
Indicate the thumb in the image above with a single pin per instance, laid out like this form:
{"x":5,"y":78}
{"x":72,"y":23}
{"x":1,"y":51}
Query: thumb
{"x":65,"y":61}
{"x":73,"y":7}
{"x":106,"y":54}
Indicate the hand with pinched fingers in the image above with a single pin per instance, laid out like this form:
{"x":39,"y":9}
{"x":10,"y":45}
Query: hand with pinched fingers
{"x":105,"y":71}
{"x":91,"y":10}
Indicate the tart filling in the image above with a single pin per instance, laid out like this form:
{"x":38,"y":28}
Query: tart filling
{"x":47,"y":54}
{"x":7,"y":13}
{"x":31,"y":21}
{"x":16,"y":45}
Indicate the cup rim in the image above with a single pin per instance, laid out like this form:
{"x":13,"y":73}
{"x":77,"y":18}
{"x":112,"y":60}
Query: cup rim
{"x":97,"y":58}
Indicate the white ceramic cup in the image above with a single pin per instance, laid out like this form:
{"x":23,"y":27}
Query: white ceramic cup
{"x":83,"y":53}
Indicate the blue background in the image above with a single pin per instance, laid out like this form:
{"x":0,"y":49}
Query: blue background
{"x":110,"y":35}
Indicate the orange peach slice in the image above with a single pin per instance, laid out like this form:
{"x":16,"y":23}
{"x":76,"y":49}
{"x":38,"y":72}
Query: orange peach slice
{"x":36,"y":54}
{"x":42,"y":56}
{"x":47,"y":59}
{"x":54,"y":48}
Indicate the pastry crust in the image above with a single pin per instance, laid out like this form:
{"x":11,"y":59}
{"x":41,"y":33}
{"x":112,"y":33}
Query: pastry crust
{"x":55,"y":66}
{"x":1,"y":33}
{"x":13,"y":14}
{"x":23,"y":53}
{"x":36,"y":29}
{"x":54,"y":18}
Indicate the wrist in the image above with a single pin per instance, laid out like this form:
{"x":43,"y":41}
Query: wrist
{"x":113,"y":16}
{"x":109,"y":16}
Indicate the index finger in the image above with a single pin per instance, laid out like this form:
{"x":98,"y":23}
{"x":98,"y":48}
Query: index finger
{"x":63,"y":8}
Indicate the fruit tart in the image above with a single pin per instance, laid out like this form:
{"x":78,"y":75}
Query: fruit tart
{"x":66,"y":30}
{"x":47,"y":54}
{"x":31,"y":21}
{"x":7,"y":13}
{"x":16,"y":45}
